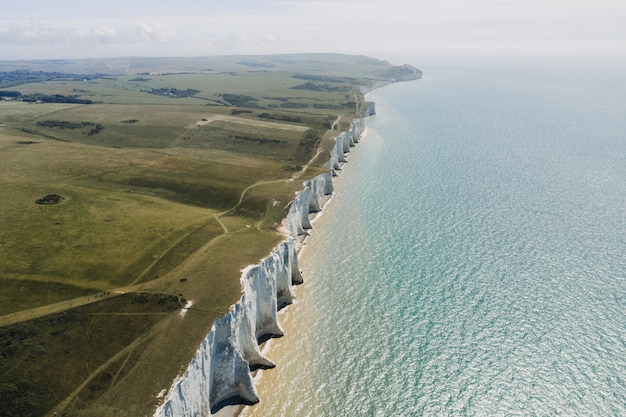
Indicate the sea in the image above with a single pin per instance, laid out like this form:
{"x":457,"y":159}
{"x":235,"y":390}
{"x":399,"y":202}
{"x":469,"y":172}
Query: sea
{"x":472,"y":261}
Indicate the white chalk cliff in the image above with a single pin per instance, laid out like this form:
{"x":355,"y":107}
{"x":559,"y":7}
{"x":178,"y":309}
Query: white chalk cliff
{"x":219,"y":373}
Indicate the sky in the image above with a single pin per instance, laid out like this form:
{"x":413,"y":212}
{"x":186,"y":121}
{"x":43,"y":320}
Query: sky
{"x":400,"y":31}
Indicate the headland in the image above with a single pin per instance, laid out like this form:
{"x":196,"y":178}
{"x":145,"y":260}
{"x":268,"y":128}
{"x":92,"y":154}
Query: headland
{"x":174,"y":175}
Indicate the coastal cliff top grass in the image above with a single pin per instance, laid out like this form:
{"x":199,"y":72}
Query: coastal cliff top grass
{"x":132,"y":186}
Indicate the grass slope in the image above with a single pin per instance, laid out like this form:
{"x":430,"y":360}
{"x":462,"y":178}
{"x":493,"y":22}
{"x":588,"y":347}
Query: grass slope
{"x":172,"y":180}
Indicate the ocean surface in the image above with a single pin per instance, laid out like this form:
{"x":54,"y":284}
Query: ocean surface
{"x":472,"y":261}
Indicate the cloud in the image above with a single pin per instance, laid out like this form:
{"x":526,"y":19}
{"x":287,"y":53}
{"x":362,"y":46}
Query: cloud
{"x":156,"y":31}
{"x":34,"y":33}
{"x":371,"y":27}
{"x":105,"y":34}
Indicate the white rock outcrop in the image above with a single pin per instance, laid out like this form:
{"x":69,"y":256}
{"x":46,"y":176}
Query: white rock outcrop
{"x":219,"y":373}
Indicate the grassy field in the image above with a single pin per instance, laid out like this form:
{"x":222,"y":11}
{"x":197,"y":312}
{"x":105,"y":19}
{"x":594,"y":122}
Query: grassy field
{"x":132,"y":185}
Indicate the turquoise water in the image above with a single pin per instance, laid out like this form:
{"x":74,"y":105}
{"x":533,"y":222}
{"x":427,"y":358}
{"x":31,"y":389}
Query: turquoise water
{"x":473,"y":259}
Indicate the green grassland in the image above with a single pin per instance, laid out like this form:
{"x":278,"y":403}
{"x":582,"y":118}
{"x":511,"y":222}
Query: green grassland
{"x":170,"y":175}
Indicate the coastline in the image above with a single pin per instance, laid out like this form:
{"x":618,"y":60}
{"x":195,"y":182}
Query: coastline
{"x":274,"y":349}
{"x":218,"y":380}
{"x":239,"y":410}
{"x":417,"y":362}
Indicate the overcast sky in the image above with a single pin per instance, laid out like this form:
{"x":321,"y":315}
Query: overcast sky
{"x":416,"y":31}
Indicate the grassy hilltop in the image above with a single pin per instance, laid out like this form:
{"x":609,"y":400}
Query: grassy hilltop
{"x":132,"y":185}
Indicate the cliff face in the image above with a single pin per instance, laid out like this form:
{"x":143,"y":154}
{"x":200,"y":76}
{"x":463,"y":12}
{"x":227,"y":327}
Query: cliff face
{"x":219,"y":373}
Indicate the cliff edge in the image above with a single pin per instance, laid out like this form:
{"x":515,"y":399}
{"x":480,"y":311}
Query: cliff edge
{"x":220,"y":372}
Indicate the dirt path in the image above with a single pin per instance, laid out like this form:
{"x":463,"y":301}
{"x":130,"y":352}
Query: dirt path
{"x":126,"y":352}
{"x":259,"y":183}
{"x":33,"y":313}
{"x":172,"y":246}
